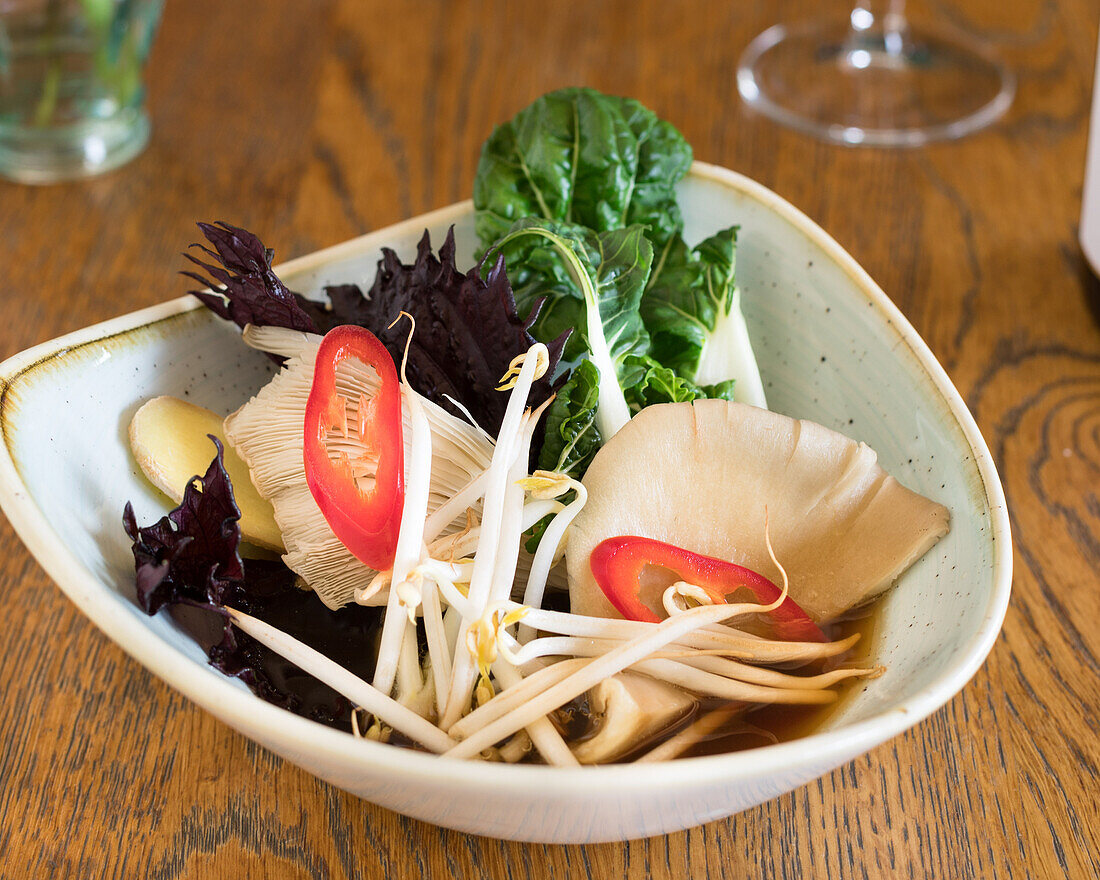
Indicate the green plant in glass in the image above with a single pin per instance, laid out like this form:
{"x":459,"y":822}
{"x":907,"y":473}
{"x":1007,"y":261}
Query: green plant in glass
{"x":72,"y":98}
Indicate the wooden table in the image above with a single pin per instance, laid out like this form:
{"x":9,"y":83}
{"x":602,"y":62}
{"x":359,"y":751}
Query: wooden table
{"x":312,"y":122}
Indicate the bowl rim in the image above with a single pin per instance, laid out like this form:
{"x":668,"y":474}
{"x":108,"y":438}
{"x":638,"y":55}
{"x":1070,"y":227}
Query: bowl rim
{"x":227,"y":701}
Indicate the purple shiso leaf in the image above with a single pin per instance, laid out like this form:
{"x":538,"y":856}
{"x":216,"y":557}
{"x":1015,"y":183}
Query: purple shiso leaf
{"x":467,"y":328}
{"x":191,"y":555}
{"x":247,"y":291}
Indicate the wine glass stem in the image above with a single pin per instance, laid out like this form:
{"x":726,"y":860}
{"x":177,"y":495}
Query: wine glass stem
{"x":878,"y":26}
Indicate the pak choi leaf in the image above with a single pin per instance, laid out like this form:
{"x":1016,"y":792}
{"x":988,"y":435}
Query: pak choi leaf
{"x":572,"y":437}
{"x":646,"y":382}
{"x":692,"y":310}
{"x":581,"y":157}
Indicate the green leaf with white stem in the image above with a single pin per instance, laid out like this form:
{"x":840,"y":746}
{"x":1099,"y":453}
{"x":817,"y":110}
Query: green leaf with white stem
{"x":692,"y":310}
{"x":541,"y":266}
{"x":609,"y":270}
{"x":571,"y":437}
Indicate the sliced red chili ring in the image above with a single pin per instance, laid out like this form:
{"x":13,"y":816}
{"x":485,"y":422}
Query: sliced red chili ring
{"x":617,"y":564}
{"x":366,"y":521}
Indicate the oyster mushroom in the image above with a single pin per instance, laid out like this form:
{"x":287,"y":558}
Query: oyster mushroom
{"x":699,"y":475}
{"x":630,"y":709}
{"x":267,"y":433}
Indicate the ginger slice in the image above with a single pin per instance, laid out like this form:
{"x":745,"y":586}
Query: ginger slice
{"x":168,"y":437}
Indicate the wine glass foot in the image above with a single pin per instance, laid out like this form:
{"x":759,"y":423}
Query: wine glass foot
{"x":897,"y":86}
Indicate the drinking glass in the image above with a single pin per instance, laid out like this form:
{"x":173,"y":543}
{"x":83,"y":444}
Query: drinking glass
{"x":72,"y":97}
{"x":874,"y":79}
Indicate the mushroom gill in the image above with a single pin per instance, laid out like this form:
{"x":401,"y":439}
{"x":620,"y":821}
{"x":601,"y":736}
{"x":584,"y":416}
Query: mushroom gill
{"x":700,"y":475}
{"x":267,"y":432}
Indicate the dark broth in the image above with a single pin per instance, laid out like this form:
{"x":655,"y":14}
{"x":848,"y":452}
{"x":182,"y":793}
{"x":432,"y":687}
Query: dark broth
{"x":346,"y":636}
{"x":757,"y":726}
{"x":765,"y":725}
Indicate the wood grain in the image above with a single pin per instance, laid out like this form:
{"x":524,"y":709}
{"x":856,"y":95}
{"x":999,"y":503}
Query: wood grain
{"x":316,"y":121}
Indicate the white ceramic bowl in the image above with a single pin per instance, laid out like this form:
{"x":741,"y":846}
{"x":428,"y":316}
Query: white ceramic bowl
{"x":831,"y":347}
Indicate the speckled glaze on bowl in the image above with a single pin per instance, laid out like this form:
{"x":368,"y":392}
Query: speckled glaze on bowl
{"x":831,"y":347}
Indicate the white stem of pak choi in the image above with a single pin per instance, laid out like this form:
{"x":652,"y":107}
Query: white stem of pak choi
{"x":727,"y":354}
{"x":612,"y":409}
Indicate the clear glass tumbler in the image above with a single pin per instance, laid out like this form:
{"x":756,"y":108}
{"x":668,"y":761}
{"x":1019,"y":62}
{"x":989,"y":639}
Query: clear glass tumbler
{"x":72,"y":96}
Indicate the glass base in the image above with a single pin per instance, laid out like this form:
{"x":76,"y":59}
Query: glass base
{"x":895,"y":86}
{"x":50,"y":154}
